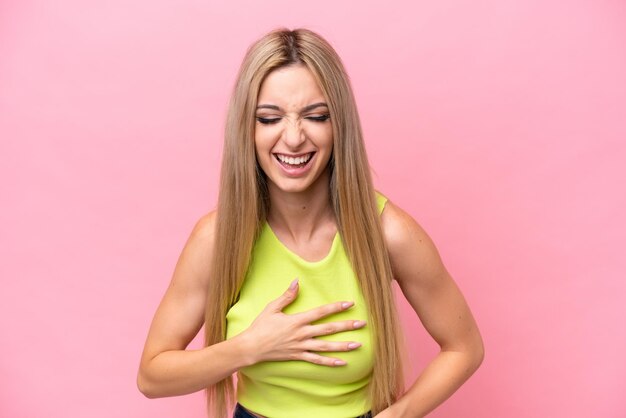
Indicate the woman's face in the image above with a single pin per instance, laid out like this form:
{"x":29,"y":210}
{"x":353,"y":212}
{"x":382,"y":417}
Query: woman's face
{"x":293,"y":132}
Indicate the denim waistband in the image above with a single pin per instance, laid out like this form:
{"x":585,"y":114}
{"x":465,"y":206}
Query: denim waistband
{"x":241,"y":412}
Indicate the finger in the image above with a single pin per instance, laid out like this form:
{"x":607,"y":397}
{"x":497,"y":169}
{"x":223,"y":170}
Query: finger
{"x":332,"y":327}
{"x":324,"y":310}
{"x":322,"y":345}
{"x":321,"y":360}
{"x":286,"y":298}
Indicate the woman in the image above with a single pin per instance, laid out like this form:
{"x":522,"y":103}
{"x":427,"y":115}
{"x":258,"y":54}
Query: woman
{"x":291,"y":275}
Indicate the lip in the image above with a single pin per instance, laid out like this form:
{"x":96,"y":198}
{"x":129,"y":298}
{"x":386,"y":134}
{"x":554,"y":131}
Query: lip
{"x":293,"y":155}
{"x":295,"y":172}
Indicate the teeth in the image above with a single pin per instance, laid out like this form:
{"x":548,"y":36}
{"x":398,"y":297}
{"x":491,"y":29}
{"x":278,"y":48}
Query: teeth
{"x":294,"y":161}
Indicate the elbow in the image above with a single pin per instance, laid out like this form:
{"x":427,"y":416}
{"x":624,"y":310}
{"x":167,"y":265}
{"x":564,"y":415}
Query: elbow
{"x":144,"y":386}
{"x":478,"y":354}
{"x":480,"y":357}
{"x":473,"y":353}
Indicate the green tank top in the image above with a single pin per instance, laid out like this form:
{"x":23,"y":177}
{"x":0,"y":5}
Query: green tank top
{"x":287,"y":389}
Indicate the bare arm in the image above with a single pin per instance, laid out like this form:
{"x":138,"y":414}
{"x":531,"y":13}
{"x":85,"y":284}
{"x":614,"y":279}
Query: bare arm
{"x":441,"y":307}
{"x":167,"y":369}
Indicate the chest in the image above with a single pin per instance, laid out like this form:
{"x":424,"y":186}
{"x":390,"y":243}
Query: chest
{"x":329,"y":280}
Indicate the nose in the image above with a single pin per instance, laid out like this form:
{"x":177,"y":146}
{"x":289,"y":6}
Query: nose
{"x":293,"y":134}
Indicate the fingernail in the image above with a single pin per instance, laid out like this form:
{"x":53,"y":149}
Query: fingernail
{"x":340,"y":363}
{"x":293,"y":284}
{"x":347,"y":304}
{"x":354,"y":345}
{"x":358,"y":324}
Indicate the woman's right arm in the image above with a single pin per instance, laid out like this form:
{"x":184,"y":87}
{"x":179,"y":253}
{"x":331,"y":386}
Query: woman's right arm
{"x":167,"y":369}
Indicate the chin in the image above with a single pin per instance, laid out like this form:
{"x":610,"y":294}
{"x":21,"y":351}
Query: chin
{"x":298,"y":185}
{"x":292,"y":188}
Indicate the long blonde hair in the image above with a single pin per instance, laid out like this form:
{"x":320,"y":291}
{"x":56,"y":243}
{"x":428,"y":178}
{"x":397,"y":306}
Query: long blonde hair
{"x":243,"y":205}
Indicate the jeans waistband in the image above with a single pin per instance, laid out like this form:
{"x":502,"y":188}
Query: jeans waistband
{"x":241,"y":412}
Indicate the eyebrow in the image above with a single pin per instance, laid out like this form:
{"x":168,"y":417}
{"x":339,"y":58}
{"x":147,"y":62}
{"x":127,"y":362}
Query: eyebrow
{"x":304,"y":109}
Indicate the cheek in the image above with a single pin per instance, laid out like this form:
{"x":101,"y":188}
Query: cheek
{"x":328,"y":141}
{"x":320,"y":135}
{"x":264,"y":142}
{"x":265,"y":137}
{"x":261,"y":141}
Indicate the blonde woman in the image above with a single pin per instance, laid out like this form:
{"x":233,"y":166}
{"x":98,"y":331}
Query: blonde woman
{"x":291,"y":275}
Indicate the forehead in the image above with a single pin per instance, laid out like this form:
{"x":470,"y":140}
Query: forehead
{"x":290,"y":88}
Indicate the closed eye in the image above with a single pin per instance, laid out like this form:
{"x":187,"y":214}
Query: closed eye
{"x":268,"y":121}
{"x":321,"y":118}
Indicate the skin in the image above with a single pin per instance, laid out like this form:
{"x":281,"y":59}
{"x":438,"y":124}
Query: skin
{"x":303,"y":220}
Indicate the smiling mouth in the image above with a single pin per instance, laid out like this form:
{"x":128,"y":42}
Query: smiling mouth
{"x":291,"y":162}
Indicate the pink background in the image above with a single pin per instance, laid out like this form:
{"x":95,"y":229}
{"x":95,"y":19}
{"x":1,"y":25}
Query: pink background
{"x":499,"y":125}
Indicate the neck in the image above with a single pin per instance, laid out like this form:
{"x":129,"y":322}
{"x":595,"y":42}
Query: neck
{"x":302,"y":214}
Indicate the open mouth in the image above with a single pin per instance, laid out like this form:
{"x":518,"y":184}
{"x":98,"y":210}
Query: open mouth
{"x":294,"y":163}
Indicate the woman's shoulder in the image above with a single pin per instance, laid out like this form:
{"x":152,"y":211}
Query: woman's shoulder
{"x":193,"y":260}
{"x":408,"y":243}
{"x":205,"y":225}
{"x":397,"y":224}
